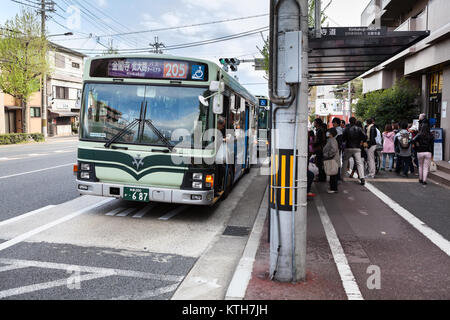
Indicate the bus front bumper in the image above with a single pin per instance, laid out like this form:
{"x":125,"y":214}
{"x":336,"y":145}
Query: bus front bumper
{"x":201,"y":197}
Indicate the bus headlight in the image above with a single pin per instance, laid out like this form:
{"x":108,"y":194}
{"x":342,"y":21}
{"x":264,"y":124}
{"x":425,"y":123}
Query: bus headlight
{"x":197,"y":176}
{"x":197,"y":185}
{"x":85,"y":175}
{"x":85,"y":167}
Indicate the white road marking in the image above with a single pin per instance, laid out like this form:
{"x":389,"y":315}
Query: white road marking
{"x":47,"y":226}
{"x":243,"y":273}
{"x":172,"y":213}
{"x":348,"y":280}
{"x":34,"y":171}
{"x":149,"y":294}
{"x":97,"y":270}
{"x":114,"y":212}
{"x":8,"y":159}
{"x":47,"y":285}
{"x":25,"y":215}
{"x":37,"y":154}
{"x":144,"y":210}
{"x":11,"y":267}
{"x":432,"y":235}
{"x":126,"y":212}
{"x":64,"y":151}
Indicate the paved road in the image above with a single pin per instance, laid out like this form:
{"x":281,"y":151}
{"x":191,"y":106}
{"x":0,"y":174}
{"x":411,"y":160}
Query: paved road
{"x":387,"y":240}
{"x":96,"y":248}
{"x":36,"y":175}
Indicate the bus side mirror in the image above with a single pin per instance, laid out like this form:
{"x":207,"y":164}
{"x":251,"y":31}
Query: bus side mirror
{"x":218,"y":104}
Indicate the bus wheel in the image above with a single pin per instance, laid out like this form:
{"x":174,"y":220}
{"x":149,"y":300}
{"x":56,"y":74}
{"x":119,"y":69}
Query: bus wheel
{"x":229,"y":184}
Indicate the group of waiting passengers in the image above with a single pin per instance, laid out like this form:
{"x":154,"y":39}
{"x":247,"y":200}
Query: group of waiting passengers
{"x":331,"y":149}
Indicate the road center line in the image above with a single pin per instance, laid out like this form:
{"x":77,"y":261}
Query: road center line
{"x":34,"y":171}
{"x":348,"y":280}
{"x":429,"y":233}
{"x":47,"y":226}
{"x":25,"y":215}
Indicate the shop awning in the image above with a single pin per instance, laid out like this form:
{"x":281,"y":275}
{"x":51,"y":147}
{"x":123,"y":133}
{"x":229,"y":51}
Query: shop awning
{"x":65,"y":113}
{"x":13,"y":107}
{"x":343,"y":54}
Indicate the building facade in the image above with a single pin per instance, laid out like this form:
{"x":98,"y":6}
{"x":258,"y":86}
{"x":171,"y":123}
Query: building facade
{"x":425,"y":64}
{"x":64,"y":86}
{"x":11,"y":114}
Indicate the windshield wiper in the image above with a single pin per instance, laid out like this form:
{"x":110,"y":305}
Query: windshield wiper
{"x":159,"y":134}
{"x":130,"y":126}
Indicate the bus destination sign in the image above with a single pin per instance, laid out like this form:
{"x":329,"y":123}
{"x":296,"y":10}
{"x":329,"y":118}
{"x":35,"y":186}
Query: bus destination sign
{"x":140,"y":68}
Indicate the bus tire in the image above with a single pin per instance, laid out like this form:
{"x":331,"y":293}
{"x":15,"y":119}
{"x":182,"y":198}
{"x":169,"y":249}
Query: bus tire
{"x":229,"y":185}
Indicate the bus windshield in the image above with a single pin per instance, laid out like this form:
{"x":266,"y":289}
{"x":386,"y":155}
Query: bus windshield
{"x":109,"y":108}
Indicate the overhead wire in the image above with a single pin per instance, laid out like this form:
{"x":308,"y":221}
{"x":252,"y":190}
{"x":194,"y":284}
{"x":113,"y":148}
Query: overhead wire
{"x":194,"y":44}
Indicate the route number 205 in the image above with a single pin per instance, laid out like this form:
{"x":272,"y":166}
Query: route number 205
{"x":175,"y":70}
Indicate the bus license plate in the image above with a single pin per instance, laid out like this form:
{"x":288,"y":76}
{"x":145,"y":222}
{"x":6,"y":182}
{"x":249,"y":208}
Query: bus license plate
{"x":136,"y":194}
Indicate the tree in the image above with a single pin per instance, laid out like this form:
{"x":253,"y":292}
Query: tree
{"x":394,"y":104}
{"x":311,"y":15}
{"x":23,"y":61}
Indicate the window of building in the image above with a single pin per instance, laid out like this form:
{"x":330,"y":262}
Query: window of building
{"x":35,"y":112}
{"x":75,"y":65}
{"x":60,"y":60}
{"x":61,"y":93}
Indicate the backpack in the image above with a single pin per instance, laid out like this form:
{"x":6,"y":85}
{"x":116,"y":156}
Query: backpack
{"x":378,"y":139}
{"x":403,"y":140}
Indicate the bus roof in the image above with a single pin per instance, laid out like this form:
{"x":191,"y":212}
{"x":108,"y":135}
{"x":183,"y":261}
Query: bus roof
{"x":214,"y":70}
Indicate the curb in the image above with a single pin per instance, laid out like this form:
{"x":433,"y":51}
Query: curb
{"x":243,"y":273}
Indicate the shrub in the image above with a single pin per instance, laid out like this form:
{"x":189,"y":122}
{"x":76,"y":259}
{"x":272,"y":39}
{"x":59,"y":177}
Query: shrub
{"x":14,"y":138}
{"x":394,"y":104}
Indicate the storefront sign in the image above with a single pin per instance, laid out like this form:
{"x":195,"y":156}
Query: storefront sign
{"x":438,"y":143}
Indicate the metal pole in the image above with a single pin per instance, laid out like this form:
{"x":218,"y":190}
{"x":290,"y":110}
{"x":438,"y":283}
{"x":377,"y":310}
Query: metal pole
{"x":302,"y":148}
{"x":318,"y":18}
{"x":44,"y":76}
{"x":349,"y":102}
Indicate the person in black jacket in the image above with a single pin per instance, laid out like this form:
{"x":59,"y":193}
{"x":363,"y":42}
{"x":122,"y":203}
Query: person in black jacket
{"x":318,"y":145}
{"x":424,"y":144}
{"x":353,"y":137}
{"x":371,"y":132}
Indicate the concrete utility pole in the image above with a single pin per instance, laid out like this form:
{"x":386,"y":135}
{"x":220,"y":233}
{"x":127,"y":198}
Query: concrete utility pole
{"x":43,"y":12}
{"x":156,"y":46}
{"x":288,"y":91}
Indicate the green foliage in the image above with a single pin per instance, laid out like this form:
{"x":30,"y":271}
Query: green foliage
{"x":394,"y":104}
{"x":311,"y":15}
{"x":14,"y":138}
{"x":23,"y":60}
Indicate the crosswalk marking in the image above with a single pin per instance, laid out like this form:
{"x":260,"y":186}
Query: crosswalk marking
{"x":126,"y":212}
{"x":144,"y":210}
{"x":114,"y":212}
{"x":172,"y":213}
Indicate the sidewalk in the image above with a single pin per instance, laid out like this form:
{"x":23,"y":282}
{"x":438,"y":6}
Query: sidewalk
{"x":370,"y":234}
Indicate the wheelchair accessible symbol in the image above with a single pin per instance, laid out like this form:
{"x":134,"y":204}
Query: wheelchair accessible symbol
{"x":198,"y":72}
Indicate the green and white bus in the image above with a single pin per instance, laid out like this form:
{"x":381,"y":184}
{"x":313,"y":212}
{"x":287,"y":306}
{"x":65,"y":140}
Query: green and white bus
{"x":160,"y":128}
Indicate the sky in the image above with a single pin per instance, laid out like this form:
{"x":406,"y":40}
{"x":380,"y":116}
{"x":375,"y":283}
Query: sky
{"x":90,"y":19}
